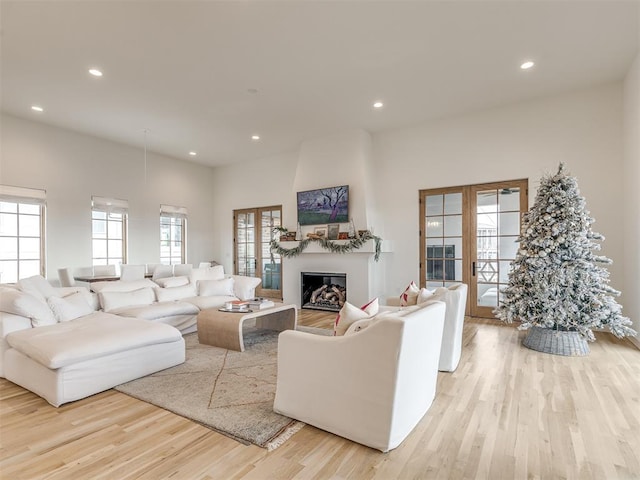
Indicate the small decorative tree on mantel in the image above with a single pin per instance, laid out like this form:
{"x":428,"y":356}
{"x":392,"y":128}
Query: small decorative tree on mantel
{"x":555,"y":281}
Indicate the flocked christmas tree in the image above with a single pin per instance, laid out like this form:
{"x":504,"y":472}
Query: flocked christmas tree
{"x":556,"y":280}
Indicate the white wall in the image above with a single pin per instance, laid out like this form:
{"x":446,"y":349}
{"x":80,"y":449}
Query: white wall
{"x":631,"y":189}
{"x":262,"y":183}
{"x":72,"y":167}
{"x":524,"y":140}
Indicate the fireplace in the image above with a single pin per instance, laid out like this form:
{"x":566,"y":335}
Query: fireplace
{"x":323,"y":291}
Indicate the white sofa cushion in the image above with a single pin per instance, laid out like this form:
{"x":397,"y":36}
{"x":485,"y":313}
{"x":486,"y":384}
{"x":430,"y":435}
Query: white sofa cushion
{"x":170,"y":282}
{"x":207,"y":273}
{"x":121,"y":286}
{"x":245,"y":287}
{"x":38,"y":286}
{"x":175,"y":293}
{"x":216,"y":287}
{"x":70,"y":307}
{"x":96,"y":335}
{"x":156,"y":311}
{"x":24,"y":304}
{"x":115,"y":300}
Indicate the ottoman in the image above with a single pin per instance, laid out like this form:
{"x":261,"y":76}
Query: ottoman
{"x":72,"y":360}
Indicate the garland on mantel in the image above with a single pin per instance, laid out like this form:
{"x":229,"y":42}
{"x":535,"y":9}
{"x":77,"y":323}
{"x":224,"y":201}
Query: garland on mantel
{"x":333,"y":247}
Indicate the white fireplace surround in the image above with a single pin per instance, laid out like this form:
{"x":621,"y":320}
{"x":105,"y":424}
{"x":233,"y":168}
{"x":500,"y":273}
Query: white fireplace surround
{"x":345,"y":159}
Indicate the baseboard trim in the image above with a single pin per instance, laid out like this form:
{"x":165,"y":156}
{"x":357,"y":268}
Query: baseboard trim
{"x":635,"y":341}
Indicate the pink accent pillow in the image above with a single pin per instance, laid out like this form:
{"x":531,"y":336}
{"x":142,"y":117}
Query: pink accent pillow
{"x":410,"y":295}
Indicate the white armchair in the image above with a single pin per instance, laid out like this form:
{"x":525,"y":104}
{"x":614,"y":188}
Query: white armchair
{"x":373,"y":386}
{"x":455,"y":296}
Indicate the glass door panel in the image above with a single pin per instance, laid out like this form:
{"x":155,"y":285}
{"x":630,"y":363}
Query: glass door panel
{"x":441,"y":252}
{"x":469,"y":234}
{"x":497,"y":209}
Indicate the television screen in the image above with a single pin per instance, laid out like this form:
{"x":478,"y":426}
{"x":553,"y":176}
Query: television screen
{"x":323,"y":206}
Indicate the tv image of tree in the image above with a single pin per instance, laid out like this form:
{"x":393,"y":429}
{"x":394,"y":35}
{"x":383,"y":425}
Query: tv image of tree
{"x":325,"y":205}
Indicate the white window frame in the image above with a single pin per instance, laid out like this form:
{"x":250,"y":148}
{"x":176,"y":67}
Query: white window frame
{"x":176,"y":216}
{"x":118,"y":210}
{"x":24,"y":196}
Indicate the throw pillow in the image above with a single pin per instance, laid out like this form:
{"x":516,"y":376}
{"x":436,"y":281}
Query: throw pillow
{"x":26,"y":305}
{"x":69,"y":307}
{"x":424,"y":295}
{"x":207,"y":273}
{"x":207,"y":288}
{"x":410,"y":295}
{"x":38,"y":286}
{"x":175,"y":293}
{"x":170,"y":282}
{"x":114,"y":300}
{"x":350,"y":313}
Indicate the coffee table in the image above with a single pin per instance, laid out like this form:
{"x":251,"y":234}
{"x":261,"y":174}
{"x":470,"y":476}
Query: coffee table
{"x":224,"y":329}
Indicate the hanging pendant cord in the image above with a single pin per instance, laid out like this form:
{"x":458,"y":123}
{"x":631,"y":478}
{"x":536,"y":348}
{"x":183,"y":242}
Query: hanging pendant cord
{"x":145,"y":157}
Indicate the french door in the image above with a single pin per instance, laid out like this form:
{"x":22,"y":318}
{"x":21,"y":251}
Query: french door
{"x":468,"y":234}
{"x":253,"y":230}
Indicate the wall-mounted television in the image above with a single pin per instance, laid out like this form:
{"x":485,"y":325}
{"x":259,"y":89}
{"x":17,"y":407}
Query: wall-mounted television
{"x":323,"y":206}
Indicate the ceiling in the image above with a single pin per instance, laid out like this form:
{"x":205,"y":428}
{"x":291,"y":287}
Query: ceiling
{"x":205,"y":76}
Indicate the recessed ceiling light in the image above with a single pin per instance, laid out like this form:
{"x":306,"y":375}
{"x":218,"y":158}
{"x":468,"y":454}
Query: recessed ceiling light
{"x":36,"y":108}
{"x":95,"y":72}
{"x":527,"y":65}
{"x":255,"y":137}
{"x":378,"y":105}
{"x":193,"y":154}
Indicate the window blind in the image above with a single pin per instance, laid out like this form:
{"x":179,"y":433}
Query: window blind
{"x":110,"y":205}
{"x":23,"y":195}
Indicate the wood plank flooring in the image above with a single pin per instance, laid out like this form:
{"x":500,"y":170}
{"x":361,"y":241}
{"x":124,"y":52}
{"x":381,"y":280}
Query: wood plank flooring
{"x":506,"y":413}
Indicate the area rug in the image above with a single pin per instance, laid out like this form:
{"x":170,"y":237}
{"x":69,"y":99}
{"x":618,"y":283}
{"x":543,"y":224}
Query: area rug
{"x":227,"y":391}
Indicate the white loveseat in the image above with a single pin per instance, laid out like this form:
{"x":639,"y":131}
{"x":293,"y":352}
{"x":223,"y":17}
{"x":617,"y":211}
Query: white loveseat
{"x":371,"y":386}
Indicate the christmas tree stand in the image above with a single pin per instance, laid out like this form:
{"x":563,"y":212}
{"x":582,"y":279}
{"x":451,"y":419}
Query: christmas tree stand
{"x":556,"y":342}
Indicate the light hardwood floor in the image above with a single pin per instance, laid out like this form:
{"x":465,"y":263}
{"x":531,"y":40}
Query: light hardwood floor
{"x":506,"y":413}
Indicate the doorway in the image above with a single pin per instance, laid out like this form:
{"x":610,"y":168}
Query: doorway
{"x":468,"y":234}
{"x":253,"y":231}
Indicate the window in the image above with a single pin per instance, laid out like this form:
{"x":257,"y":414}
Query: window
{"x":173,"y":231}
{"x":22,"y":219}
{"x":109,"y":230}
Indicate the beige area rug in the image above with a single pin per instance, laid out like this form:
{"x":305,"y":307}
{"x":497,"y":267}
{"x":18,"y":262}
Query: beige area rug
{"x":230,"y":392}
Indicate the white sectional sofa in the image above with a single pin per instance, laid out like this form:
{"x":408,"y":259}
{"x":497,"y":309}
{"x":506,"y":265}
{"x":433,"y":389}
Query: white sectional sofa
{"x":67,"y":343}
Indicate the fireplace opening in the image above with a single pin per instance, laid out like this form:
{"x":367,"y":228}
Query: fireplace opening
{"x":323,"y":291}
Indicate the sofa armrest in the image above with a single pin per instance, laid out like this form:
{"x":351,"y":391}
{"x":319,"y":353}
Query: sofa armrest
{"x":10,"y":323}
{"x":245,"y":287}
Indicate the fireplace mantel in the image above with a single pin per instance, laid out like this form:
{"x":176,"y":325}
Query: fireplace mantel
{"x":369,"y":247}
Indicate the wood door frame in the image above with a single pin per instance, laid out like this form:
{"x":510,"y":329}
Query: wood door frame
{"x":257,"y":211}
{"x":469,"y":252}
{"x":523,"y":185}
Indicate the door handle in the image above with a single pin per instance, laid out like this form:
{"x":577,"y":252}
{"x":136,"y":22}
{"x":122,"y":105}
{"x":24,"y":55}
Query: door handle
{"x":473,"y":269}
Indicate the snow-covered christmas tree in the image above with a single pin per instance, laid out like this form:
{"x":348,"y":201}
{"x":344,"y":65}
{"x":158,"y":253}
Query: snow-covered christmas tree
{"x":556,"y":280}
